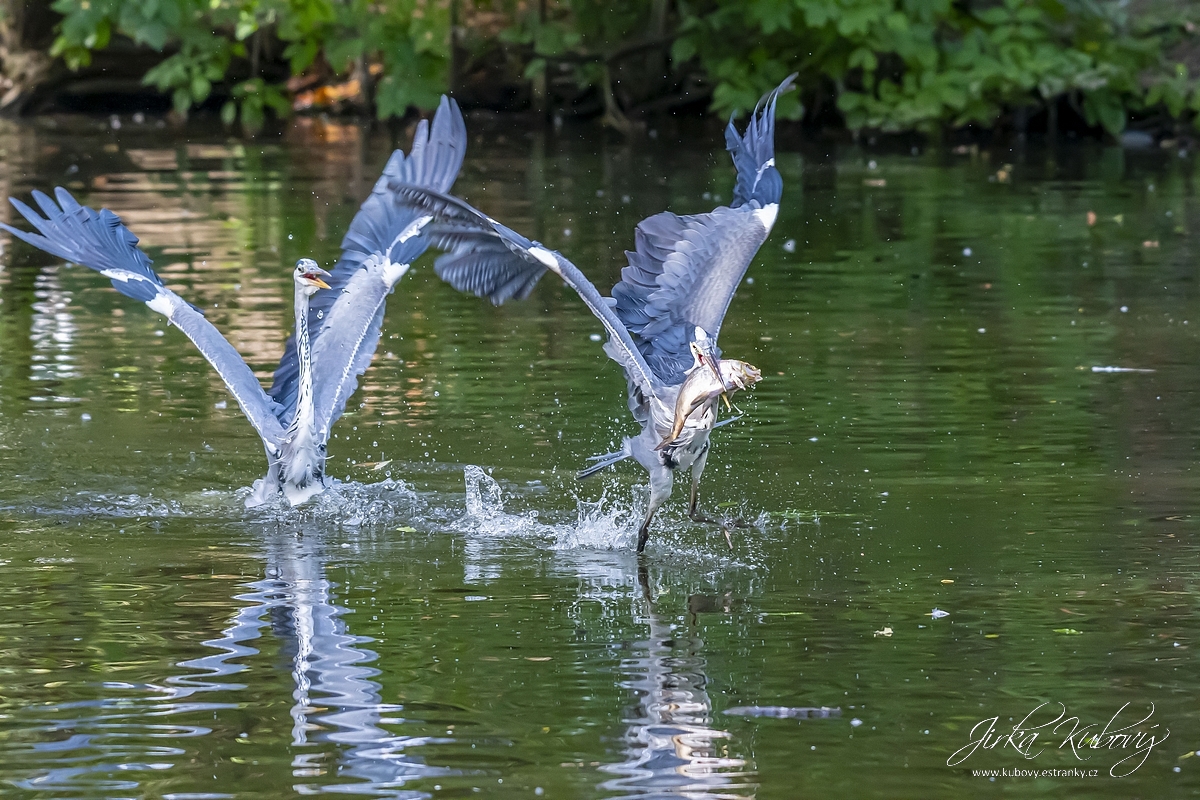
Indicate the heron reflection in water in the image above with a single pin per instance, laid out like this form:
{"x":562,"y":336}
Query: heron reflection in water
{"x":663,"y":317}
{"x":335,"y":697}
{"x":339,"y":314}
{"x":671,"y":747}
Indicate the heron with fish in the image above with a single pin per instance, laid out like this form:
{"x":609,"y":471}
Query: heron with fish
{"x":663,"y":317}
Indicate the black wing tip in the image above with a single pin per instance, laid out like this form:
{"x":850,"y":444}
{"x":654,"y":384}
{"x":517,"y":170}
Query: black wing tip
{"x":763,"y":115}
{"x":753,"y":151}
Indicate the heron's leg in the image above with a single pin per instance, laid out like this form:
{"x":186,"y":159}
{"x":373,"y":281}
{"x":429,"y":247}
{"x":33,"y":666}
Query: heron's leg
{"x":694,"y":502}
{"x":660,"y":490}
{"x":697,"y":471}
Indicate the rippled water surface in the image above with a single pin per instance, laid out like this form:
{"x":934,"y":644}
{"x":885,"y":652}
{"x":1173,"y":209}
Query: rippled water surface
{"x":937,"y":428}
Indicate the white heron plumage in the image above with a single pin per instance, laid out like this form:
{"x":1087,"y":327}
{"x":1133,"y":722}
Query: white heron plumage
{"x":339,"y":314}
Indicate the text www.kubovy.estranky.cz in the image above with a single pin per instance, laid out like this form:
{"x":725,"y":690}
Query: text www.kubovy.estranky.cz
{"x":1074,"y":772}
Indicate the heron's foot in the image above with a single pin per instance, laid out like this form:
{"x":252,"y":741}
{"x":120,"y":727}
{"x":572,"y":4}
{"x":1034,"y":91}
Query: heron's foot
{"x":643,"y":537}
{"x":726,"y":524}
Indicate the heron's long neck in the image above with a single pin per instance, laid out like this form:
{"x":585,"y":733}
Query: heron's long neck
{"x":304,"y":399}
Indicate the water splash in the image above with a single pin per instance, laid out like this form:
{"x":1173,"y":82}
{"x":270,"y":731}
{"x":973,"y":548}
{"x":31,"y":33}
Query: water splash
{"x":348,"y":504}
{"x":598,"y":528}
{"x":486,"y":518}
{"x":485,"y":500}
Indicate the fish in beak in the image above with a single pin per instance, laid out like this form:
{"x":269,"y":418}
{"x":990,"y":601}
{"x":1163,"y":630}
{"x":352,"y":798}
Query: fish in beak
{"x":704,"y":385}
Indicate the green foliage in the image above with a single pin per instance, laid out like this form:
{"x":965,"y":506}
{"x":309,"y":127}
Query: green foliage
{"x":250,"y":100}
{"x":887,"y":64}
{"x":210,"y":39}
{"x":904,"y":64}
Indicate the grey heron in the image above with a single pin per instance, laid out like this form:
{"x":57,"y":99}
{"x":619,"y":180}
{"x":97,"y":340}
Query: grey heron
{"x":664,"y":315}
{"x":339,"y":314}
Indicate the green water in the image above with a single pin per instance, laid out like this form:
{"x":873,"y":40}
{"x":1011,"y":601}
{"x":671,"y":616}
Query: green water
{"x":930,"y":433}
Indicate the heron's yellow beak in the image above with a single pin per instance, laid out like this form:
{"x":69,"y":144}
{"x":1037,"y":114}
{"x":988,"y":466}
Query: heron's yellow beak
{"x":315,"y":280}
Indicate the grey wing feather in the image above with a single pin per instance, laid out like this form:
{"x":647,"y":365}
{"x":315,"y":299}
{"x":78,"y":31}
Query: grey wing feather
{"x":753,"y":153}
{"x":480,"y":263}
{"x":99,"y":241}
{"x":433,"y":160}
{"x":681,"y":276}
{"x":346,"y":346}
{"x":498,"y":275}
{"x":482,"y":256}
{"x":94,"y":239}
{"x":620,"y":346}
{"x":684,"y":270}
{"x":229,"y":364}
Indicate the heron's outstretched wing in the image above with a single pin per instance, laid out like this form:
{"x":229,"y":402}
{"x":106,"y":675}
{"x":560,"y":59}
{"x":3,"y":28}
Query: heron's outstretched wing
{"x":493,"y":261}
{"x":684,"y":270}
{"x":482,"y":256}
{"x":753,"y":152}
{"x":383,"y":240}
{"x":99,"y":241}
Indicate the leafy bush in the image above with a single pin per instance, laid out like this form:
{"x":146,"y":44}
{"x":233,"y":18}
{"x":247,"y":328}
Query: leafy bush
{"x":886,"y":64}
{"x":905,"y":64}
{"x":205,"y":38}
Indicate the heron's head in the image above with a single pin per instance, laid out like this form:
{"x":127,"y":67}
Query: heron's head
{"x":309,"y":277}
{"x":704,"y":351}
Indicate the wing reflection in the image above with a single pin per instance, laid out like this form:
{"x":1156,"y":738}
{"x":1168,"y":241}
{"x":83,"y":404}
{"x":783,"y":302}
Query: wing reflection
{"x":671,"y":747}
{"x":52,"y":331}
{"x":336,"y":699}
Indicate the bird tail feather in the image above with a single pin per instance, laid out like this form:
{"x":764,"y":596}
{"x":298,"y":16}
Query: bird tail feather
{"x":603,"y":462}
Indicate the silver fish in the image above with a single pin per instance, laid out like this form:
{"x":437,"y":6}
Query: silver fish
{"x":705,"y":383}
